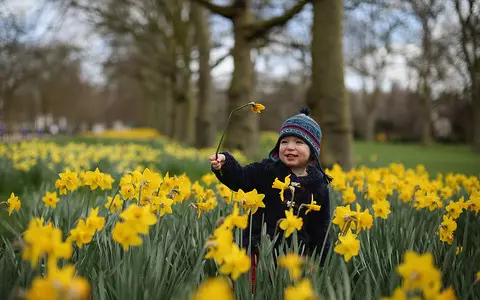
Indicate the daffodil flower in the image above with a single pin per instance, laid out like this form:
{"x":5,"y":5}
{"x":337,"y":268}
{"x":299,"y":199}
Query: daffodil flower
{"x":282,"y":186}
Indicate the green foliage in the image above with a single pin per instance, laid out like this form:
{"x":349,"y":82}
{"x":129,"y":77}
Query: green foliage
{"x":170,"y":264}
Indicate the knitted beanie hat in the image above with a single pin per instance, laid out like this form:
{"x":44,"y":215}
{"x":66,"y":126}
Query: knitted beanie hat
{"x":305,"y":128}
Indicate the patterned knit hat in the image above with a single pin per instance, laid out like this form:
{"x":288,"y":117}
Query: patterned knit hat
{"x":305,"y":128}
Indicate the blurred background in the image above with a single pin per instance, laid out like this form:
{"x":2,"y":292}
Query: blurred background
{"x":388,"y":80}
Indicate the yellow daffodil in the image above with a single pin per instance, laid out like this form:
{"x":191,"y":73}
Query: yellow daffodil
{"x":220,"y":245}
{"x":381,"y":209}
{"x":349,"y":195}
{"x":235,"y":219}
{"x":43,"y":239}
{"x":205,"y":205}
{"x":114,"y":204}
{"x":224,"y":192}
{"x":94,"y":179}
{"x":127,"y":191}
{"x":163,"y":204}
{"x":236,"y":262}
{"x":125,"y":235}
{"x":291,"y":223}
{"x":215,"y":288}
{"x":473,"y":203}
{"x":447,"y":294}
{"x":81,"y":234}
{"x":349,"y":246}
{"x":257,"y":107}
{"x":419,"y":273}
{"x":68,"y":180}
{"x":209,"y":178}
{"x":293,"y":263}
{"x":312,"y":206}
{"x":139,"y":217}
{"x":58,"y":283}
{"x":455,"y":209}
{"x":447,"y":230}
{"x":282,"y":186}
{"x":13,"y":204}
{"x":251,"y":201}
{"x":302,"y":291}
{"x":50,"y":199}
{"x":94,"y":222}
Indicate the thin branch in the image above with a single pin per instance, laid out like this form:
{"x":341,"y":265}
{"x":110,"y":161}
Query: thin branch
{"x":260,"y":27}
{"x":225,"y":11}
{"x":221,"y":59}
{"x":463,"y":25}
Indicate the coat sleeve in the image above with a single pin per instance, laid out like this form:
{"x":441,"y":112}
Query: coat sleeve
{"x":317,"y":226}
{"x":236,"y":177}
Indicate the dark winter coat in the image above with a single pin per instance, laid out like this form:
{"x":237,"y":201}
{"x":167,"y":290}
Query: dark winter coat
{"x":260,"y":176}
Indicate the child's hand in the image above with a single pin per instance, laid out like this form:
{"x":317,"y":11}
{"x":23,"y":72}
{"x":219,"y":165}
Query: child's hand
{"x":218,"y":162}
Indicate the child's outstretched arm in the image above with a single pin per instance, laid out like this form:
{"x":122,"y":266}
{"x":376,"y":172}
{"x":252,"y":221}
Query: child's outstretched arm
{"x":232,"y":174}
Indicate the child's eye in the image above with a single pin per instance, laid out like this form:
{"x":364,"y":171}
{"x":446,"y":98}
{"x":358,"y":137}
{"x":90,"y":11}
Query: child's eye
{"x":283,"y":142}
{"x":299,"y":142}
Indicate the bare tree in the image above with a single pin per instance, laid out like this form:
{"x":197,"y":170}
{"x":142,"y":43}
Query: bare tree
{"x":370,"y":40}
{"x":158,"y":37}
{"x":243,"y":132}
{"x":426,"y":12}
{"x":468,"y":13}
{"x":327,"y":95}
{"x":205,"y":125}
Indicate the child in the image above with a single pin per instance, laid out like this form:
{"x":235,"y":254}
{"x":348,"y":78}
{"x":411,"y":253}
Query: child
{"x":296,"y":154}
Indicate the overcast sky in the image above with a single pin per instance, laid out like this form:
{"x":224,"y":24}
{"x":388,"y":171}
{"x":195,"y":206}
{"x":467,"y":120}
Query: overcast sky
{"x":74,"y":28}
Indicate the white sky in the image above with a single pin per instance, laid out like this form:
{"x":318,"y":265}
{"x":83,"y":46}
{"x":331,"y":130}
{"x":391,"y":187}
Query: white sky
{"x":76,"y":30}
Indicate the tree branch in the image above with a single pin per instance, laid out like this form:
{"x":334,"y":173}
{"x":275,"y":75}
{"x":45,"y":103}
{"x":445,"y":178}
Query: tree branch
{"x":225,"y":11}
{"x":221,"y":59}
{"x":260,"y":27}
{"x":463,"y":25}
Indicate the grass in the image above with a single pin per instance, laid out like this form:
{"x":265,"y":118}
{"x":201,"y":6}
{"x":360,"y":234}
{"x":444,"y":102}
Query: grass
{"x":436,"y":159}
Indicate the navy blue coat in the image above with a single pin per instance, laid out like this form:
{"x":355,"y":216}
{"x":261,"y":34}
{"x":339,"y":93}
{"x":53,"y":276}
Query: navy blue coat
{"x":260,"y":176}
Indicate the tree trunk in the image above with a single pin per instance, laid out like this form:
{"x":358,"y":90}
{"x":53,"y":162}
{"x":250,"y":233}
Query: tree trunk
{"x":326,"y":96}
{"x":370,"y":120}
{"x":171,"y":106}
{"x":188,"y":133}
{"x":205,"y":135}
{"x":179,"y":121}
{"x":426,"y":115}
{"x":242,"y":132}
{"x":475,"y":77}
{"x":426,"y":97}
{"x":371,"y":106}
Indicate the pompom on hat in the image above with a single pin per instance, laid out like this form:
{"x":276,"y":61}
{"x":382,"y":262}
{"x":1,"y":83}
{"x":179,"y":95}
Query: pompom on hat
{"x":307,"y":129}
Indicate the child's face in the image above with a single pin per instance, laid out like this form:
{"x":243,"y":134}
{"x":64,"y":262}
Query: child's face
{"x":294,"y":152}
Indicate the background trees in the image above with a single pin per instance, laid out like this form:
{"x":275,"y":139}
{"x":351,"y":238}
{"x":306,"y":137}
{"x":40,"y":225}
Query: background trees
{"x":407,"y":70}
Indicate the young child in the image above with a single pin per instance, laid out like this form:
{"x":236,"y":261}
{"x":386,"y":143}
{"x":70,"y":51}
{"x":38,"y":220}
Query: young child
{"x":296,"y":154}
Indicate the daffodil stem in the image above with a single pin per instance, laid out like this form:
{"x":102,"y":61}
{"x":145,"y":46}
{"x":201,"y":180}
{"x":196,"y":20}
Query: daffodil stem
{"x":299,"y":209}
{"x":325,"y":239}
{"x":68,"y":212}
{"x":88,"y":202}
{"x":226,"y":126}
{"x":295,"y":242}
{"x":250,"y":235}
{"x":140,"y":193}
{"x":113,"y":199}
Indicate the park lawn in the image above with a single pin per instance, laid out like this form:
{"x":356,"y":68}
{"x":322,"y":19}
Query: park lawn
{"x":437,"y":158}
